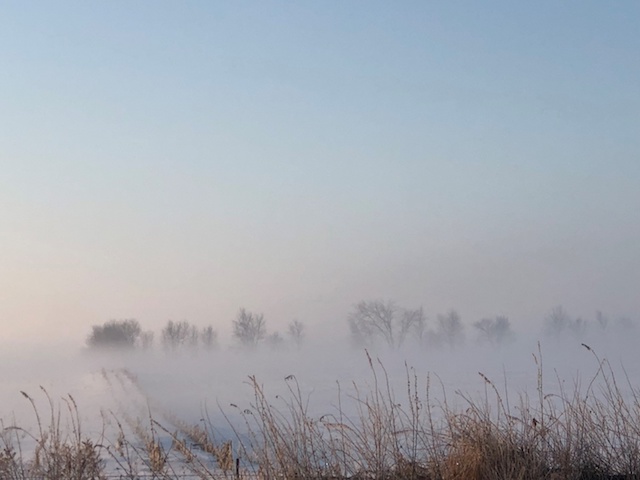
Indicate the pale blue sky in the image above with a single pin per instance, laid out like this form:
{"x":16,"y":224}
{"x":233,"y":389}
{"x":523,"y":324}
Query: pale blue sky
{"x":182,"y":159}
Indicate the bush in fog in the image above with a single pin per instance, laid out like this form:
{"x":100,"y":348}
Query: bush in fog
{"x":494,"y":331}
{"x":374,"y":321}
{"x":249,"y":329}
{"x":208,"y":338}
{"x":621,"y":326}
{"x":449,"y":330}
{"x":296,"y":332}
{"x":181,"y":335}
{"x":115,"y":334}
{"x":146,"y":340}
{"x":559,"y":324}
{"x":626,"y":325}
{"x":275,"y":341}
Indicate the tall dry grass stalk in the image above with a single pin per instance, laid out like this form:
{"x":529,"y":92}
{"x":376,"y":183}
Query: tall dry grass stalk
{"x":589,"y":431}
{"x":59,"y":450}
{"x":585,"y":433}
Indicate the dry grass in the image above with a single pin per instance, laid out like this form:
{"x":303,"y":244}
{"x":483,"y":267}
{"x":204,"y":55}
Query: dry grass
{"x":590,"y":432}
{"x":587,"y":433}
{"x":60,"y":451}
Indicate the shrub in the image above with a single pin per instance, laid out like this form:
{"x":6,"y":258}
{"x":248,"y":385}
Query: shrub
{"x":559,"y":324}
{"x":494,"y":331}
{"x":176,"y":335}
{"x":115,"y":334}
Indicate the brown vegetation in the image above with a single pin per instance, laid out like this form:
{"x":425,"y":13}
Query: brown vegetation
{"x":590,"y":433}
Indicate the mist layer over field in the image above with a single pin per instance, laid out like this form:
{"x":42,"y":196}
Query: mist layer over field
{"x":191,"y":384}
{"x":176,"y":412}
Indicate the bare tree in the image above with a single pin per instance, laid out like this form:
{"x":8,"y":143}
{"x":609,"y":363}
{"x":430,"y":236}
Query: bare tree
{"x":115,"y":334}
{"x":177,"y":335}
{"x":249,"y":328}
{"x":494,"y":331}
{"x":296,"y":332}
{"x":412,"y":321}
{"x":450,"y":329}
{"x":209,"y":338}
{"x":371,"y":320}
{"x":559,"y":323}
{"x":374,"y":320}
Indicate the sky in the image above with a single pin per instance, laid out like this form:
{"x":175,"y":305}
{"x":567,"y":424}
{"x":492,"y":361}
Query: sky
{"x":180,"y":160}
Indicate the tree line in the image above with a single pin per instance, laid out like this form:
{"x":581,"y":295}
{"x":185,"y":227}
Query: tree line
{"x":387,"y":323}
{"x":370,"y":324}
{"x":249,"y":331}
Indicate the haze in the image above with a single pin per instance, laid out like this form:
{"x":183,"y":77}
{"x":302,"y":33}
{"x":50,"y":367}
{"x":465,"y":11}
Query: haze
{"x":164,"y":160}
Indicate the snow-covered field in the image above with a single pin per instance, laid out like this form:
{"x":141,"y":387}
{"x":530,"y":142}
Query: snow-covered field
{"x":119,"y":393}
